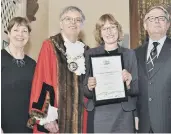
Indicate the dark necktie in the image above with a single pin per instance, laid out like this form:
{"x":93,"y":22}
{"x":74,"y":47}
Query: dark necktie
{"x":152,"y":58}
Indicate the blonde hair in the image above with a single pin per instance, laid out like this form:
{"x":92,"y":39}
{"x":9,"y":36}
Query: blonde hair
{"x":102,"y":20}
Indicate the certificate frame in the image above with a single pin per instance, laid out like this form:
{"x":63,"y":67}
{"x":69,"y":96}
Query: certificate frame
{"x":92,"y":72}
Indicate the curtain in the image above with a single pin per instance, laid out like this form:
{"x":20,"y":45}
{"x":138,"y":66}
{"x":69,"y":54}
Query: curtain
{"x":143,"y":6}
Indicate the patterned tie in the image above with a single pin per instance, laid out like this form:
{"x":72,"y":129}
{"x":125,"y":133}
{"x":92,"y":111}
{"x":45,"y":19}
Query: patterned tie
{"x":152,"y":58}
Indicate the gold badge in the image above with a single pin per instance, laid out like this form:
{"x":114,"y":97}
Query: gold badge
{"x":72,"y":66}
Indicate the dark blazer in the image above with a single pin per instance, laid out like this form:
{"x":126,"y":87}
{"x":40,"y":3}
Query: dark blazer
{"x":154,"y":101}
{"x":130,"y":64}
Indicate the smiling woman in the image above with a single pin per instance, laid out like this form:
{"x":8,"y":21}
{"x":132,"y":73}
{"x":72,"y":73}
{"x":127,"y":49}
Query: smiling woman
{"x":17,"y":71}
{"x":116,"y":117}
{"x":18,"y":33}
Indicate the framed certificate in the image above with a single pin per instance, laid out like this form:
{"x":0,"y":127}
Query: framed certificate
{"x":107,"y":70}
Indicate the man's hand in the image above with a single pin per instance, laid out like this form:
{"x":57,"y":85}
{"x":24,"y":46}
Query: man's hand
{"x":136,"y":123}
{"x":52,"y":127}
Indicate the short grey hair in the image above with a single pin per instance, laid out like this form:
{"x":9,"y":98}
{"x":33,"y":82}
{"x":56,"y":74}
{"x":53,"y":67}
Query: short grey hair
{"x":161,"y":8}
{"x":72,"y":8}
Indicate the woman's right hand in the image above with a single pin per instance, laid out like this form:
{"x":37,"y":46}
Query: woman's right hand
{"x":91,"y":83}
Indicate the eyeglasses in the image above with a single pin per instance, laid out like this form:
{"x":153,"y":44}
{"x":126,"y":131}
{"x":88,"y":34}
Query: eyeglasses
{"x":159,"y":18}
{"x":68,"y":20}
{"x":111,"y":28}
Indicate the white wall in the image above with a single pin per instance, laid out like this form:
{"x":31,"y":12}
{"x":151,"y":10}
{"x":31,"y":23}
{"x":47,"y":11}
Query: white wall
{"x":47,"y":22}
{"x":92,"y":9}
{"x":39,"y":29}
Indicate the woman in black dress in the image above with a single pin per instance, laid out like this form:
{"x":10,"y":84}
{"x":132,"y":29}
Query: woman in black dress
{"x":117,"y":117}
{"x":16,"y":77}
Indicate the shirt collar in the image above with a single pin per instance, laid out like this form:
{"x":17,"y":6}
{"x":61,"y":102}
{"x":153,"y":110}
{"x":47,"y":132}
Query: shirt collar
{"x":66,"y":39}
{"x":161,"y":41}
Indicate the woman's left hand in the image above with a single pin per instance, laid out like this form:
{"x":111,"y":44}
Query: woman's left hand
{"x":127,"y":77}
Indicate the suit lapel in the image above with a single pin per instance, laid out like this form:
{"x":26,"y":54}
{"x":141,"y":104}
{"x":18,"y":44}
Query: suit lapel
{"x":100,"y":50}
{"x":165,"y":53}
{"x":120,"y":49}
{"x":143,"y":57}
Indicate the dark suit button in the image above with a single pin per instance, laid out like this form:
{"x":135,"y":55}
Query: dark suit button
{"x":169,"y":98}
{"x":150,"y":99}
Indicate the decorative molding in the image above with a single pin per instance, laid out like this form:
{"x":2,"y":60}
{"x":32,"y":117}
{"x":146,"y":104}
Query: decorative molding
{"x":169,"y":9}
{"x":18,"y":1}
{"x":32,"y":8}
{"x":143,"y":6}
{"x":133,"y":9}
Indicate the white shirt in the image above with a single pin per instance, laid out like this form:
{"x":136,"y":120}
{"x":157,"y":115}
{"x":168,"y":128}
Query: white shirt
{"x":65,"y":39}
{"x":75,"y":53}
{"x":159,"y":47}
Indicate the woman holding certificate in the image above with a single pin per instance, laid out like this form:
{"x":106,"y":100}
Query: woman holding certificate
{"x":118,"y":116}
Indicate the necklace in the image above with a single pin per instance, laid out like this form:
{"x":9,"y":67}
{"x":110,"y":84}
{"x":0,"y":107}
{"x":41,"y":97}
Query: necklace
{"x":112,"y":51}
{"x":107,"y":52}
{"x":72,"y":65}
{"x":18,"y":62}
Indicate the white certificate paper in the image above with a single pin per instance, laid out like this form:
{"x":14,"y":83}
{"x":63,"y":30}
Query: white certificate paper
{"x":108,"y":73}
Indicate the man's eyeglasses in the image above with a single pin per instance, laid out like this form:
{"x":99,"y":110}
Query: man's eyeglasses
{"x":68,"y":20}
{"x":159,"y":18}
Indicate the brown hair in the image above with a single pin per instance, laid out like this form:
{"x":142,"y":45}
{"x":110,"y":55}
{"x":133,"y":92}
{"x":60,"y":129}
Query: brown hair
{"x":102,"y":20}
{"x":20,"y":21}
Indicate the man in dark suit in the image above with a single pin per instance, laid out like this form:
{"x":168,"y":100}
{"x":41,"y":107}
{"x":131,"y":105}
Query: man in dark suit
{"x":154,"y":71}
